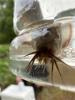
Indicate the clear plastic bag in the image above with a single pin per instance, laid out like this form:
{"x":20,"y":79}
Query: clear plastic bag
{"x":27,"y":12}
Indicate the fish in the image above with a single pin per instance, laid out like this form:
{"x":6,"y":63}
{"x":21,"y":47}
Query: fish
{"x":47,"y":44}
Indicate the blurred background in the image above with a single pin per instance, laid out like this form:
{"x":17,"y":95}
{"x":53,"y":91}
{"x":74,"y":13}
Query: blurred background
{"x":6,"y":36}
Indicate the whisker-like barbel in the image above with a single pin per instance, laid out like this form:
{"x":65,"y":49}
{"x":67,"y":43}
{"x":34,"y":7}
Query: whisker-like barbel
{"x":46,"y":46}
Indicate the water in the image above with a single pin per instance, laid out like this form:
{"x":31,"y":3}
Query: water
{"x":68,"y":56}
{"x":68,"y":35}
{"x":27,"y":42}
{"x":19,"y":63}
{"x":66,"y":40}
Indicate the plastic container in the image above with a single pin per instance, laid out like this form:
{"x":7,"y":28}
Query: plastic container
{"x":27,"y":43}
{"x":38,"y":24}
